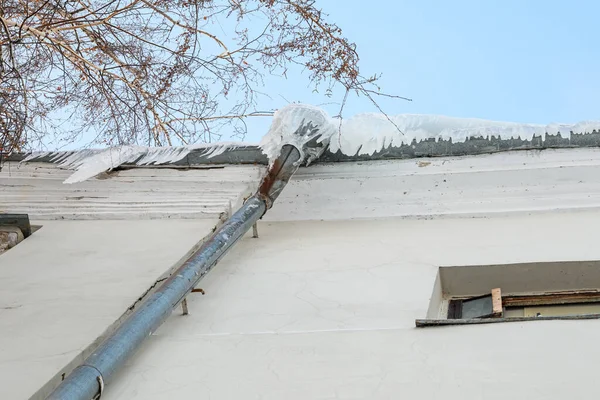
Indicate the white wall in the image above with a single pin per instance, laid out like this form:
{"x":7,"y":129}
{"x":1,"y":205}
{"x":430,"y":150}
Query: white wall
{"x":326,"y":310}
{"x":320,"y":309}
{"x":502,"y":183}
{"x":38,"y":190}
{"x":65,"y":285}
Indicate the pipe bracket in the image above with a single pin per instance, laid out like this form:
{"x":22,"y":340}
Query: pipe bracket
{"x":101,"y":385}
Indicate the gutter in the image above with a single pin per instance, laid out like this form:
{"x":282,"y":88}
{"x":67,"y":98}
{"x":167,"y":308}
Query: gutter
{"x":87,"y":381}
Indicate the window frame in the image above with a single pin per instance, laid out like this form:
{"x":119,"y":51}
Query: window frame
{"x":454,"y":309}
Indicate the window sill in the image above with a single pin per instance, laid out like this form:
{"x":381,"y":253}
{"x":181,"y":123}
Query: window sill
{"x":424,"y":323}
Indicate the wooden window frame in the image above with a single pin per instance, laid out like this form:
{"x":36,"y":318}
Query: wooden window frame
{"x":500,"y":302}
{"x":552,"y":298}
{"x":455,"y":306}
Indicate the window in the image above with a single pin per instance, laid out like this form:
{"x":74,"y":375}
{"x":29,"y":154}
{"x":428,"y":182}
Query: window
{"x":465,"y":295}
{"x":494,"y":305}
{"x":486,"y":306}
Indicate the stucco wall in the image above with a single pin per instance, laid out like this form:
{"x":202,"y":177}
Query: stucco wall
{"x":326,"y":310}
{"x":67,"y":284}
{"x":71,"y":282}
{"x":503,"y":183}
{"x":323,"y":308}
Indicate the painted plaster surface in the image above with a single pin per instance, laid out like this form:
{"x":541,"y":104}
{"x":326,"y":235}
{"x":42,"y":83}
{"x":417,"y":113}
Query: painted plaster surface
{"x":38,"y":189}
{"x":512,"y":182}
{"x":66,"y":284}
{"x":326,"y":310}
{"x":323,"y":304}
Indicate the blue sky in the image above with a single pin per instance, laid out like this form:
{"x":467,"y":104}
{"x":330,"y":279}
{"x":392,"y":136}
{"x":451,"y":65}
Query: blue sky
{"x":513,"y":60}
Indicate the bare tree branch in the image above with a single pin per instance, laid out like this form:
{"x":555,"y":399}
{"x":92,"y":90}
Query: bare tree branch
{"x":152,"y":72}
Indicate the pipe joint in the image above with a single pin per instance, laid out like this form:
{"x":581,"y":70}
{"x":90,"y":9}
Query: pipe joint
{"x":266,"y":199}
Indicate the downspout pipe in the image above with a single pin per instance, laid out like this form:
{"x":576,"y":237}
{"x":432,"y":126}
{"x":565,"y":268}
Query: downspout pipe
{"x":87,"y":381}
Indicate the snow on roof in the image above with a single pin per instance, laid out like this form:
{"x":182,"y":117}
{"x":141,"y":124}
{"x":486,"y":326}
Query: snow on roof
{"x":363,"y":134}
{"x":370,"y":133}
{"x":89,"y":163}
{"x":284,"y":128}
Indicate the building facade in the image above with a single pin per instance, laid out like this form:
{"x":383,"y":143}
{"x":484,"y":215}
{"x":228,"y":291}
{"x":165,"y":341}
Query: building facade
{"x":345,"y":294}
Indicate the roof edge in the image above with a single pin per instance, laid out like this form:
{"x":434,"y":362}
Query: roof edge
{"x":433,"y":147}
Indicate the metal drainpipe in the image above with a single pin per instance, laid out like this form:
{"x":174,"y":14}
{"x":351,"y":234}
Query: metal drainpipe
{"x":87,"y":381}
